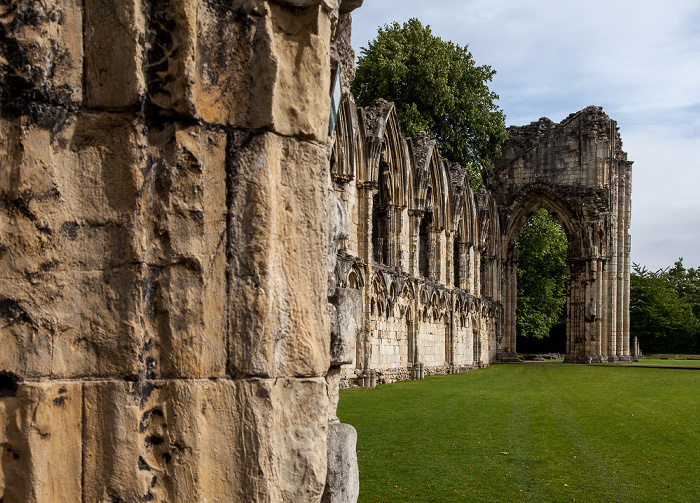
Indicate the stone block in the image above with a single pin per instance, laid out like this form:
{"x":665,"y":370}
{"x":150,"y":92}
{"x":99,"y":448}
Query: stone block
{"x":70,"y":241}
{"x":185,"y":289}
{"x":278,"y":235}
{"x":185,"y":193}
{"x":41,"y":49}
{"x":250,"y":64}
{"x":348,"y":306}
{"x":72,"y":323}
{"x":205,"y":440}
{"x":40,"y":442}
{"x":189,"y":323}
{"x":343,"y":480}
{"x":71,"y":190}
{"x":115,"y":32}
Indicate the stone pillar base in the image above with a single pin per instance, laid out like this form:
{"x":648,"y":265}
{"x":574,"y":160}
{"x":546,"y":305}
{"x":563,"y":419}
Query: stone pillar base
{"x":343,"y":479}
{"x":507,"y":357}
{"x":579,"y":358}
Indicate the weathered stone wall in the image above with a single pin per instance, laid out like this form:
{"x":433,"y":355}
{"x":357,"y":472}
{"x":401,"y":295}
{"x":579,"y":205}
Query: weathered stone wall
{"x":436,"y":262}
{"x":416,"y":236}
{"x":578,"y":172}
{"x":164,"y":223}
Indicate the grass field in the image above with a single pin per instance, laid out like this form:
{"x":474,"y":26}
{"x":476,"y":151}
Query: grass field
{"x":646,"y":362}
{"x":534,"y":432}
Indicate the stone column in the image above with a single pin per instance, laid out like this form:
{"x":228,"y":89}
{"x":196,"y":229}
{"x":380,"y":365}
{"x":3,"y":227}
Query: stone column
{"x":163,"y":225}
{"x":449,"y":270}
{"x":367,"y":190}
{"x":477,"y":273}
{"x":414,"y":217}
{"x":434,"y":257}
{"x":510,"y":304}
{"x":463,"y":266}
{"x":626,"y":269}
{"x":395,"y":255}
{"x":621,"y":233}
{"x":470,"y":269}
{"x":600,"y":321}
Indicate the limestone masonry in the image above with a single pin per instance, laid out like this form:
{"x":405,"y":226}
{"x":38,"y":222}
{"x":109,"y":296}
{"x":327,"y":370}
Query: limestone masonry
{"x":164,"y":237}
{"x":191,"y":265}
{"x":436,"y":262}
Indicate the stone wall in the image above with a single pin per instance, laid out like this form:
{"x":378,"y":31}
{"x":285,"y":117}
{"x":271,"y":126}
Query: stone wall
{"x":417,"y":235}
{"x":578,"y":171}
{"x":164,"y":223}
{"x":436,"y":262}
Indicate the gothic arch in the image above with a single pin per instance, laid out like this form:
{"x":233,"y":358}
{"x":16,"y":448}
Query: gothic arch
{"x":578,"y":172}
{"x":528,"y":203}
{"x":348,"y":142}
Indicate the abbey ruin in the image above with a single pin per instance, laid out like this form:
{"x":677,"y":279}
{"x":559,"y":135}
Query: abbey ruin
{"x":193,"y":262}
{"x":436,"y":262}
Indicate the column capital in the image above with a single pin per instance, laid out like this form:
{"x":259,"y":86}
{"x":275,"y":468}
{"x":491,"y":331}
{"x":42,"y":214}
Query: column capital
{"x":367,"y":184}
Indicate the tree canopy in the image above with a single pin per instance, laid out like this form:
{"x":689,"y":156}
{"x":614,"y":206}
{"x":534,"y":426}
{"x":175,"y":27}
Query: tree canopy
{"x":541,"y":251}
{"x":665,"y":309}
{"x":436,"y":87}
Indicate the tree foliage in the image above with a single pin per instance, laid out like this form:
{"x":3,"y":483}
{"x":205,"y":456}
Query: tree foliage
{"x":436,"y":87}
{"x":541,"y":250}
{"x":665,"y":308}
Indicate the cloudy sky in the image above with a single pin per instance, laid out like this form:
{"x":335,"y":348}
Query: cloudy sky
{"x":638,"y":59}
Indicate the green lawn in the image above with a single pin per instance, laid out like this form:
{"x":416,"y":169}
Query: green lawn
{"x":646,"y":362}
{"x":543,"y":433}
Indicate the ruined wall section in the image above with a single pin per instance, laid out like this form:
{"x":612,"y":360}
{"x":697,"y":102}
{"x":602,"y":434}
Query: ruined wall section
{"x":164,"y":249}
{"x":577,"y":171}
{"x":416,"y":234}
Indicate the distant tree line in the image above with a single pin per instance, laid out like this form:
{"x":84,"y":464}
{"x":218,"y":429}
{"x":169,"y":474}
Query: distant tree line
{"x":665,"y":309}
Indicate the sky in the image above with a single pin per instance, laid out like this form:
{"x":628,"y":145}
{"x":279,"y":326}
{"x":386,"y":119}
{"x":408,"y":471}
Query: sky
{"x":638,"y":59}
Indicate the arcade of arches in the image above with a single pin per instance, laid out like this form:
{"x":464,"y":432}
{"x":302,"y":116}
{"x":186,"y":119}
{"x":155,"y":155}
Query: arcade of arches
{"x":435,"y":261}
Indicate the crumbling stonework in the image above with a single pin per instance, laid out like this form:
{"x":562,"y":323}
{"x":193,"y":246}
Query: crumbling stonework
{"x":435,"y":261}
{"x":421,"y":249}
{"x":164,"y":243}
{"x":579,"y":173}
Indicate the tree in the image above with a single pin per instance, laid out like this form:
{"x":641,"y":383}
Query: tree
{"x":661,"y":315}
{"x":687,"y":284}
{"x":436,"y":87}
{"x":541,"y":250}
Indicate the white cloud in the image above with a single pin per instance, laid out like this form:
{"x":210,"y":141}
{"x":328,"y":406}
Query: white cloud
{"x":640,"y":61}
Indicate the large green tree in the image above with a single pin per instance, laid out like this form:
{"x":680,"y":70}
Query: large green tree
{"x":436,"y":87}
{"x":665,"y":309}
{"x":541,"y":251}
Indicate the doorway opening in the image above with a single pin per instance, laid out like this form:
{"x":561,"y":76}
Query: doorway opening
{"x":541,"y":285}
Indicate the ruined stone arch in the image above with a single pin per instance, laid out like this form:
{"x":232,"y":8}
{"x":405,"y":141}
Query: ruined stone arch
{"x":488,"y":241}
{"x":409,"y":315}
{"x":355,"y":278}
{"x":578,"y":172}
{"x":347,"y":153}
{"x":531,"y":199}
{"x":424,"y":294}
{"x":408,"y":292}
{"x":389,"y":177}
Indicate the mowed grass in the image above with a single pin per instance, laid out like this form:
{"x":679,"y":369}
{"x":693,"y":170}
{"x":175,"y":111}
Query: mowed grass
{"x":647,"y":362}
{"x":533,"y":432}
